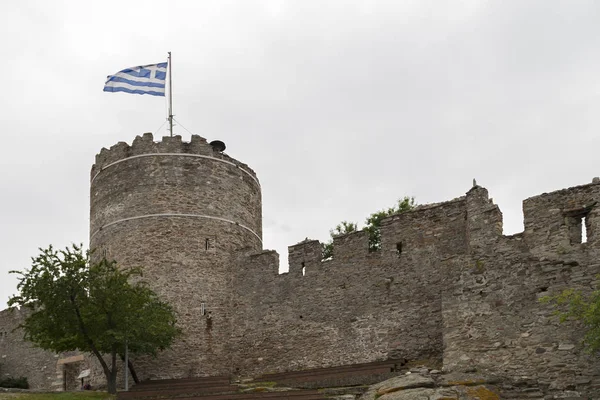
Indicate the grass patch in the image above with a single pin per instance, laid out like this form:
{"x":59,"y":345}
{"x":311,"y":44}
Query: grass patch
{"x":57,"y":396}
{"x":261,"y":384}
{"x":431,"y":363}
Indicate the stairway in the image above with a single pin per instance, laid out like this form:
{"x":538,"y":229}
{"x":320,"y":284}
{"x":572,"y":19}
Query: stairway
{"x":345,"y":375}
{"x":209,"y":388}
{"x":220,"y":388}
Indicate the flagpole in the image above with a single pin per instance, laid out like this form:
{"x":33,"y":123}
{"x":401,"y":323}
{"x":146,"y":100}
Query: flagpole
{"x":170,"y":97}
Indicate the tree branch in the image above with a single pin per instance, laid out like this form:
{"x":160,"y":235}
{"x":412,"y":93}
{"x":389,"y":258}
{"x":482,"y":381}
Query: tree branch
{"x":89,"y":340}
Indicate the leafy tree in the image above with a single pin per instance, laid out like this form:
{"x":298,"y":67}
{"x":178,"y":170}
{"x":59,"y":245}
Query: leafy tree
{"x":571,"y":305}
{"x":373,"y":222}
{"x":342,"y":228}
{"x":95,"y":308}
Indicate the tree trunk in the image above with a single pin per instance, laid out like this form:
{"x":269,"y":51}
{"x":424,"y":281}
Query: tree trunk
{"x":112,"y":376}
{"x":131,"y":369}
{"x":111,"y":380}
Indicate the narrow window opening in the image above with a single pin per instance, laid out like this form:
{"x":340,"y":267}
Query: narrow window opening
{"x":576,"y":229}
{"x":398,"y":248}
{"x":578,"y":224}
{"x":202,"y":309}
{"x":209,"y":243}
{"x":303,"y":269}
{"x":209,"y":322}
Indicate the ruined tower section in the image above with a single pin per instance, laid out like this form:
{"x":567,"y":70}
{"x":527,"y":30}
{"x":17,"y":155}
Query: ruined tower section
{"x":181,"y":211}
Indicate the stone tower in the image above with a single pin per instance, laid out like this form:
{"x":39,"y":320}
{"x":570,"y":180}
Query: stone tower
{"x":182,"y":211}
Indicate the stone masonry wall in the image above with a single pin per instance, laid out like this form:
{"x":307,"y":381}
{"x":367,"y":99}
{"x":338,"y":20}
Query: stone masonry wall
{"x":446,"y":284}
{"x":44,"y":370}
{"x":181,"y":211}
{"x":493,"y":319}
{"x":358,"y":307}
{"x":19,"y":358}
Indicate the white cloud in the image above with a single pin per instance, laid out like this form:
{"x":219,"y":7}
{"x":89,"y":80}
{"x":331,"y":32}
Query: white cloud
{"x":341,"y":107}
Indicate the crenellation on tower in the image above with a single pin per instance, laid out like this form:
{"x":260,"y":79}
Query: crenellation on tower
{"x":145,"y":146}
{"x":142,"y":144}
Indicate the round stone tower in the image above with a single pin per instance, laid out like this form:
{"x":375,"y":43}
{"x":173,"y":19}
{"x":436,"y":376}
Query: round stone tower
{"x":182,"y":211}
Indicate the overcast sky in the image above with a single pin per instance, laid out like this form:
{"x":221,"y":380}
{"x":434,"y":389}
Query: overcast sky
{"x":341,"y":107}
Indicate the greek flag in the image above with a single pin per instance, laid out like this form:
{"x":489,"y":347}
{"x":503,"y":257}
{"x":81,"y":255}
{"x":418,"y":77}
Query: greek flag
{"x":145,"y":79}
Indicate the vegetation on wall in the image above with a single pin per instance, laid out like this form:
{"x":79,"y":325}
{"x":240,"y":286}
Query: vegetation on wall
{"x":372,"y":226}
{"x":573,"y":305}
{"x":95,"y":308}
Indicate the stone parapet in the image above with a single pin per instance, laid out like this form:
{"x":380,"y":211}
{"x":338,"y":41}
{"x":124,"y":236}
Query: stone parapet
{"x":145,"y":145}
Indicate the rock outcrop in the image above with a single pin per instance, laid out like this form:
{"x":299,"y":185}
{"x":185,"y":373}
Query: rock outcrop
{"x":420,"y":386}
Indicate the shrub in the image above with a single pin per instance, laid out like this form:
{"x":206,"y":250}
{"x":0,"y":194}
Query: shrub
{"x":19,"y":383}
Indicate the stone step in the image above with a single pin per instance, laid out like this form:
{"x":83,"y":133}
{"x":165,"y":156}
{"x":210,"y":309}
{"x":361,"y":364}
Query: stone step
{"x":169,"y":386}
{"x":203,"y":379}
{"x":334,"y":373}
{"x":292,"y":395}
{"x":176,"y":391}
{"x":391,"y":364}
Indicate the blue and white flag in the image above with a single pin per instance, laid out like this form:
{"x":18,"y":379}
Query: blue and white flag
{"x":145,"y":79}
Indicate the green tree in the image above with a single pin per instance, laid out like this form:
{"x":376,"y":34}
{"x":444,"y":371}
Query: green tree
{"x":571,"y":305}
{"x":95,"y":308}
{"x":373,"y":222}
{"x":373,"y":226}
{"x":342,"y":228}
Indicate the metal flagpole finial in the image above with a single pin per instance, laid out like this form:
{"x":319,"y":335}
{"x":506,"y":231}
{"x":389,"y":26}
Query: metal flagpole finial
{"x":170,"y":95}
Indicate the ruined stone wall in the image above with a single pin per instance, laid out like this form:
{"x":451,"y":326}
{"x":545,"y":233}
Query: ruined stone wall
{"x":360,"y":306}
{"x":181,"y":211}
{"x":493,"y":320}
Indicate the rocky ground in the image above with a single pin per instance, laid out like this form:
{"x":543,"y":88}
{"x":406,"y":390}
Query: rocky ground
{"x":424,"y":386}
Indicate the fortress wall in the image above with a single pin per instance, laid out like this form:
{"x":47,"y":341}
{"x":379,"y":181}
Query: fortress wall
{"x":438,"y":227}
{"x":484,"y":221}
{"x":45,"y":370}
{"x":553,"y":221}
{"x":357,"y":307}
{"x":19,"y":358}
{"x":493,"y":320}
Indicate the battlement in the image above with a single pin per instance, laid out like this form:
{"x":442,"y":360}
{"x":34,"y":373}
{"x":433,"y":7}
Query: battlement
{"x":556,"y":221}
{"x":467,"y":224}
{"x":145,"y":144}
{"x":439,"y":227}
